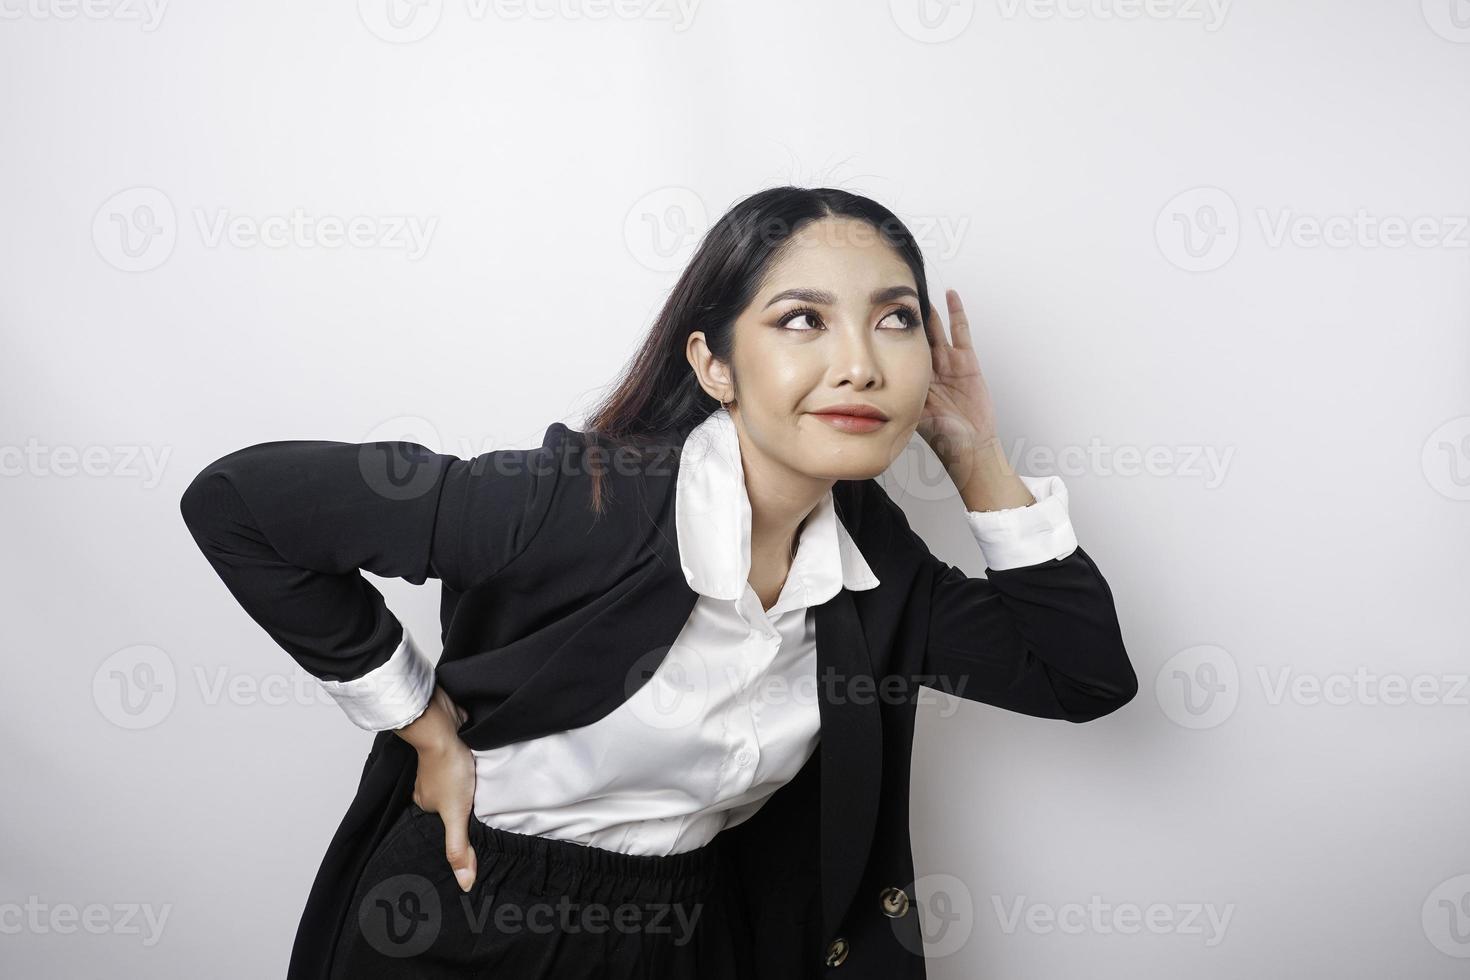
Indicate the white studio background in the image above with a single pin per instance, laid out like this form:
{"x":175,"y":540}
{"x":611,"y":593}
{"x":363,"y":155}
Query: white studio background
{"x":1216,"y":256}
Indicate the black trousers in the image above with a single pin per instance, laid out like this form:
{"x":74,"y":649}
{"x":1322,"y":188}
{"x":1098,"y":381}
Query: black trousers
{"x":541,"y":908}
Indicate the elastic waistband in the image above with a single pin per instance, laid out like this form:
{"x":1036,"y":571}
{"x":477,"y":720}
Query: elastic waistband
{"x":701,"y":862}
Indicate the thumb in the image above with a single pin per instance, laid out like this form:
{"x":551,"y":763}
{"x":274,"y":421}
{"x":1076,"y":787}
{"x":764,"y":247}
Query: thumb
{"x":461,"y":856}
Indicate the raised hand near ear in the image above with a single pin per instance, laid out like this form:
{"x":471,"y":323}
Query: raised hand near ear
{"x":958,"y":421}
{"x":959,"y":400}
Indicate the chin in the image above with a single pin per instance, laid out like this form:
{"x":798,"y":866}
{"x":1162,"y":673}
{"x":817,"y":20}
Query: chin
{"x":850,"y":466}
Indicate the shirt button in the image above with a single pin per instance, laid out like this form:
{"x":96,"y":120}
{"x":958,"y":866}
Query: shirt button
{"x":836,"y":951}
{"x":895,"y":901}
{"x":742,"y":758}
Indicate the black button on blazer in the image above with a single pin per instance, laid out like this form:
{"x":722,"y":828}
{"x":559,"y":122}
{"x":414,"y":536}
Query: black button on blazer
{"x":552,"y":615}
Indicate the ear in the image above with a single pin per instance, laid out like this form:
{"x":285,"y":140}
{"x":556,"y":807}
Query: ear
{"x":714,"y":374}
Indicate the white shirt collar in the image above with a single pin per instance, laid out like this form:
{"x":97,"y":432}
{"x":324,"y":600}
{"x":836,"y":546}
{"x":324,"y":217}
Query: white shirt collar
{"x":712,"y":515}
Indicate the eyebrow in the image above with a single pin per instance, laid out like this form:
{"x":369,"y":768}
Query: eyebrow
{"x":825,"y":298}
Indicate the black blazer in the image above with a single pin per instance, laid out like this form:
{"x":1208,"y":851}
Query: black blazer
{"x":552,"y":616}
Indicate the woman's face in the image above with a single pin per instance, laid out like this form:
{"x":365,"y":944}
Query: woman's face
{"x":835,"y":324}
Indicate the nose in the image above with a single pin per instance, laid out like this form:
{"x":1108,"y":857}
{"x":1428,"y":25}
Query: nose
{"x":854,"y":360}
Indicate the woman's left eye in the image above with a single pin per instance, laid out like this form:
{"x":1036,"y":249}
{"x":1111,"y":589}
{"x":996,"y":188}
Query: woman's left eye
{"x":909,"y":317}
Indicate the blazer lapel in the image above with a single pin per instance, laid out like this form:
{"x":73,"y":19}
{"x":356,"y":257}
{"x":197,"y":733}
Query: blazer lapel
{"x":852,"y":752}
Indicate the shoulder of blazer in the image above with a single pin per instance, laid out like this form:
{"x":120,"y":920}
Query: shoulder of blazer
{"x":637,"y":488}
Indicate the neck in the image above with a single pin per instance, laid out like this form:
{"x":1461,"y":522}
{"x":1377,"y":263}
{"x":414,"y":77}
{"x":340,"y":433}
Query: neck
{"x":780,"y":501}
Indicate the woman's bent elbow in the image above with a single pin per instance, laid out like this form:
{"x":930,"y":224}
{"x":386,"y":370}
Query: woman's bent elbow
{"x":1097,"y":699}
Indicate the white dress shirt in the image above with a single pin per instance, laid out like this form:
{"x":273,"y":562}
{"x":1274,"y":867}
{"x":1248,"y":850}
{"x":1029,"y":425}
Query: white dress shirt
{"x":730,"y":714}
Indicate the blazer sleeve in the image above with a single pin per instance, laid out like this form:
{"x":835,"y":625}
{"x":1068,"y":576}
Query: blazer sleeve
{"x":1039,"y":635}
{"x":289,"y":526}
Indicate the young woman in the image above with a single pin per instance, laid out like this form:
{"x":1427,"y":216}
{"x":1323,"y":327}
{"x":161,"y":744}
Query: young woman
{"x":669,"y":733}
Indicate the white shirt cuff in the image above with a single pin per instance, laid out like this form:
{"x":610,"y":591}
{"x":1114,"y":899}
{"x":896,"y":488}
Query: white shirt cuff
{"x":390,"y":695}
{"x":1020,"y":536}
